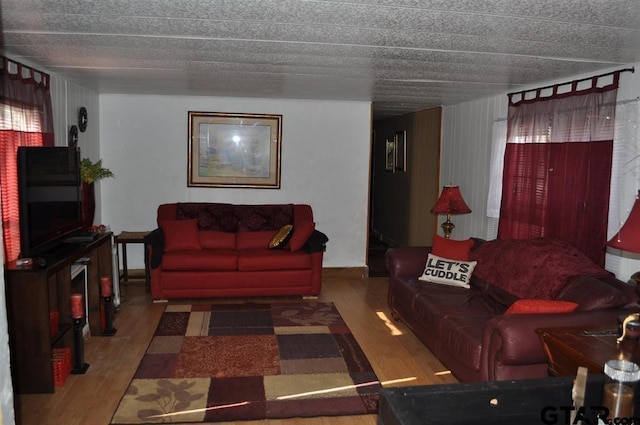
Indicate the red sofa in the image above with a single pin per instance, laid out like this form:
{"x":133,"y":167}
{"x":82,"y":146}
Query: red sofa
{"x":468,"y":330}
{"x":203,"y":250}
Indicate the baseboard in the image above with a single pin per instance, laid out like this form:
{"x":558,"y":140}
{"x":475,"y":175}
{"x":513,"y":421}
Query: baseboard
{"x":345,"y":272}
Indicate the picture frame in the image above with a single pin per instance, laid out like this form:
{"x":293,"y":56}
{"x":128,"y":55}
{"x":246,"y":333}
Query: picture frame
{"x":390,"y":152}
{"x":235,"y":150}
{"x":400,"y":141}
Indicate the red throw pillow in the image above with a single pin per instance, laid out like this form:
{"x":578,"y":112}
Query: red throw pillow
{"x":180,"y":235}
{"x":525,"y":306}
{"x":451,"y":249}
{"x":301,"y":234}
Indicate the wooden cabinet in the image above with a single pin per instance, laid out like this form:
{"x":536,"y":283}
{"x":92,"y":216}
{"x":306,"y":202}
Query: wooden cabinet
{"x":33,"y":292}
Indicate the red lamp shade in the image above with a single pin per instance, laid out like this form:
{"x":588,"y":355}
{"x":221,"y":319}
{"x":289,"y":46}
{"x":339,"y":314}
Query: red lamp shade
{"x":450,"y":202}
{"x":628,"y":237}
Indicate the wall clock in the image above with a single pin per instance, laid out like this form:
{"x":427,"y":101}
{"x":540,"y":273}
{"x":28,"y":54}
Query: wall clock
{"x":83,"y":118}
{"x":73,"y":136}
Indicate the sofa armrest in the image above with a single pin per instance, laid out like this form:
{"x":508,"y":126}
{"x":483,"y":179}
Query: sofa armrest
{"x":512,"y":339}
{"x":407,"y":260}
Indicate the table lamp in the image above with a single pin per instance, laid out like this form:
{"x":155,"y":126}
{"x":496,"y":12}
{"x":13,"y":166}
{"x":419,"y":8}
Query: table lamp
{"x":628,"y":237}
{"x":450,"y":202}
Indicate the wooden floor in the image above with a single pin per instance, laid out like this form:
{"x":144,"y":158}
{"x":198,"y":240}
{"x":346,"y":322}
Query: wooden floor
{"x":92,"y":398}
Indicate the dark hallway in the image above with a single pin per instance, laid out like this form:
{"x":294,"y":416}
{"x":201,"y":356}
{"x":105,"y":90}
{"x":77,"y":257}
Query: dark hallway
{"x":375,"y":258}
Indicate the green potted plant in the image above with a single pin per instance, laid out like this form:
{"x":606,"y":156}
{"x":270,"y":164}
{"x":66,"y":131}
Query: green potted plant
{"x":90,"y":172}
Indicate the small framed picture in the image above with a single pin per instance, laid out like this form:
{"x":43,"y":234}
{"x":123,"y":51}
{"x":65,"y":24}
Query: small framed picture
{"x":400,"y":141}
{"x":390,"y":152}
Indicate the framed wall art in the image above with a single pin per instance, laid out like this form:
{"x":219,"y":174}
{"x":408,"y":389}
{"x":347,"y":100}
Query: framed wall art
{"x":390,"y":152}
{"x":400,"y":141}
{"x":234,"y":150}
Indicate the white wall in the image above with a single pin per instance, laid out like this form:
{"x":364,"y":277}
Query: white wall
{"x":466,"y":153}
{"x":325,"y":163}
{"x":465,"y":156}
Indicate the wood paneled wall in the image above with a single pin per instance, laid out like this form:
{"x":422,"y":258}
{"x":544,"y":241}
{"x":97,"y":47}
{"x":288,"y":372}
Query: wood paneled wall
{"x":400,"y":201}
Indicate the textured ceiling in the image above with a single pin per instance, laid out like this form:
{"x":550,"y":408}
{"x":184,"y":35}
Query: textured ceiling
{"x":403,"y":55}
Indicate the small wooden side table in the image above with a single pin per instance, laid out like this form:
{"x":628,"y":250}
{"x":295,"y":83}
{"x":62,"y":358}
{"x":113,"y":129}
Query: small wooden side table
{"x":125,"y":238}
{"x":566,"y":348}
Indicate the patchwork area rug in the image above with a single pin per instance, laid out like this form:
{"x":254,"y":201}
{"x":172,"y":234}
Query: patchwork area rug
{"x":210,"y":363}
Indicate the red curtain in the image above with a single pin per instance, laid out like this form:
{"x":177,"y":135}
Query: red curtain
{"x":25,"y":120}
{"x":557,"y":169}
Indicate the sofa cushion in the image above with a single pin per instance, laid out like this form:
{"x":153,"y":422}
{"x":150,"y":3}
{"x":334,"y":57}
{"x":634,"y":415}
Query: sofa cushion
{"x":462,"y":337}
{"x":282,"y":236}
{"x":200,"y":260}
{"x":301,"y":234}
{"x":269,"y":259}
{"x":180,"y":235}
{"x":541,"y":306}
{"x":498,"y":294}
{"x":211,"y":239}
{"x":433,"y":302}
{"x":591,"y":294}
{"x":447,"y":272}
{"x":254,"y":240}
{"x":452,"y":249}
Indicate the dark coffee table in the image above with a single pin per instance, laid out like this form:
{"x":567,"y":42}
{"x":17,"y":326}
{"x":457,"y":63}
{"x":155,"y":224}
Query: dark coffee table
{"x":567,"y":348}
{"x":528,"y":401}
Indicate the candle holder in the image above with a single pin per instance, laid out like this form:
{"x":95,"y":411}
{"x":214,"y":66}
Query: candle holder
{"x":79,"y":366}
{"x":109,"y":330}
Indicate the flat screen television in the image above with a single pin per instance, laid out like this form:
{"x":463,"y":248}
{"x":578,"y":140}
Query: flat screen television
{"x":50,"y":197}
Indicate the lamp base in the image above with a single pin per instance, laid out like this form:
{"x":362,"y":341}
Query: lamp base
{"x":448,"y":227}
{"x":108,"y":330}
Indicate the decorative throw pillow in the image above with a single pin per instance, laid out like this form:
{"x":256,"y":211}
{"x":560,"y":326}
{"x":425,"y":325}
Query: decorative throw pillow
{"x":450,"y":248}
{"x":448,"y":272}
{"x":301,"y":235}
{"x":526,"y":306}
{"x":180,"y":235}
{"x":281,"y":238}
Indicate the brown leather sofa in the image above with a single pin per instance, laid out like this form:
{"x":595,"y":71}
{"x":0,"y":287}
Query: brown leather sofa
{"x":468,"y":330}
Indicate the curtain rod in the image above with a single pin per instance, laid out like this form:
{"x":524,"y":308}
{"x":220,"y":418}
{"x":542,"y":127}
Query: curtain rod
{"x":632,"y":70}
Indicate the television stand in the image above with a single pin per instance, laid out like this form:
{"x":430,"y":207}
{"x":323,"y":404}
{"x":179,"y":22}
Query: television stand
{"x":34,"y":295}
{"x":82,"y":237}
